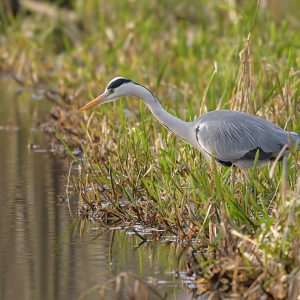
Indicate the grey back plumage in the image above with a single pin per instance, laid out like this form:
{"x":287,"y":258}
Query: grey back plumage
{"x":234,"y":136}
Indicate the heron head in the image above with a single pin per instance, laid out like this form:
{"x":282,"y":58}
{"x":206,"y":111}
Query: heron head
{"x":117,"y":88}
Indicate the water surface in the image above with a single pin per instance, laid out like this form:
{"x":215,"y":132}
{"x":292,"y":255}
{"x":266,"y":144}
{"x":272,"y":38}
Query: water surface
{"x":42,"y":253}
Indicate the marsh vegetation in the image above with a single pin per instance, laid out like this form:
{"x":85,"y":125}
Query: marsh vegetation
{"x":133,"y":173}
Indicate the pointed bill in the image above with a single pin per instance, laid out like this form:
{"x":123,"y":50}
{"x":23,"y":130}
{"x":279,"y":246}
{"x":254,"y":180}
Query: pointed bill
{"x":100,"y":99}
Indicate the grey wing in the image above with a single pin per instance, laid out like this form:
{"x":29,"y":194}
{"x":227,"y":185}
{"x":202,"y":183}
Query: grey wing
{"x":231,"y":135}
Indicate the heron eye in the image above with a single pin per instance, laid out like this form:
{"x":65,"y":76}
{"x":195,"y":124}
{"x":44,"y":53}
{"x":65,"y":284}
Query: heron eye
{"x":110,"y":91}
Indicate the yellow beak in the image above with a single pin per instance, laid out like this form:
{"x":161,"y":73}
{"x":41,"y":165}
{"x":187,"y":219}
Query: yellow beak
{"x":100,"y":99}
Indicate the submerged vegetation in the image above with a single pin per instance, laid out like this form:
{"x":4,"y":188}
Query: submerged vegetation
{"x":132,"y":171}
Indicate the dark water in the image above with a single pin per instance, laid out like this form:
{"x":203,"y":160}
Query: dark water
{"x":42,"y":253}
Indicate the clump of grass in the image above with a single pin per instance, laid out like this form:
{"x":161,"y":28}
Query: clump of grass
{"x":133,"y":171}
{"x":252,"y":264}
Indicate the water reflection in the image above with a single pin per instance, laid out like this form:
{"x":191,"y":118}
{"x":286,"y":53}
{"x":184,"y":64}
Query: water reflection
{"x":42,"y":254}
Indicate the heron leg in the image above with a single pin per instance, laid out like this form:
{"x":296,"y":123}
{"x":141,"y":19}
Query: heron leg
{"x":244,"y":170}
{"x":253,"y":187}
{"x":246,"y":173}
{"x":233,"y":174}
{"x":233,"y":177}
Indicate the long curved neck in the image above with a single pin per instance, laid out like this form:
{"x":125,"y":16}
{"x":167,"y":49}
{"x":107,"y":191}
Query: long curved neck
{"x":177,"y":126}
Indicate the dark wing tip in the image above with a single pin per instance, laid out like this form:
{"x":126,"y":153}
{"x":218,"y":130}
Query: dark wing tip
{"x":262,"y":155}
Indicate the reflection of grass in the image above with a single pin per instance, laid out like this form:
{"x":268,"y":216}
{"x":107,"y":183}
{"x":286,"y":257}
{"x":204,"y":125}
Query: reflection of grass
{"x":63,"y":142}
{"x":137,"y":172}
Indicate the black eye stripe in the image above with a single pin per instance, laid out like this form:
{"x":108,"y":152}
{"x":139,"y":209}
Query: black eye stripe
{"x":118,"y":82}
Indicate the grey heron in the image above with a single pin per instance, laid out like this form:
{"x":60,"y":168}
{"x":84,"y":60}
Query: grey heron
{"x":231,"y":137}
